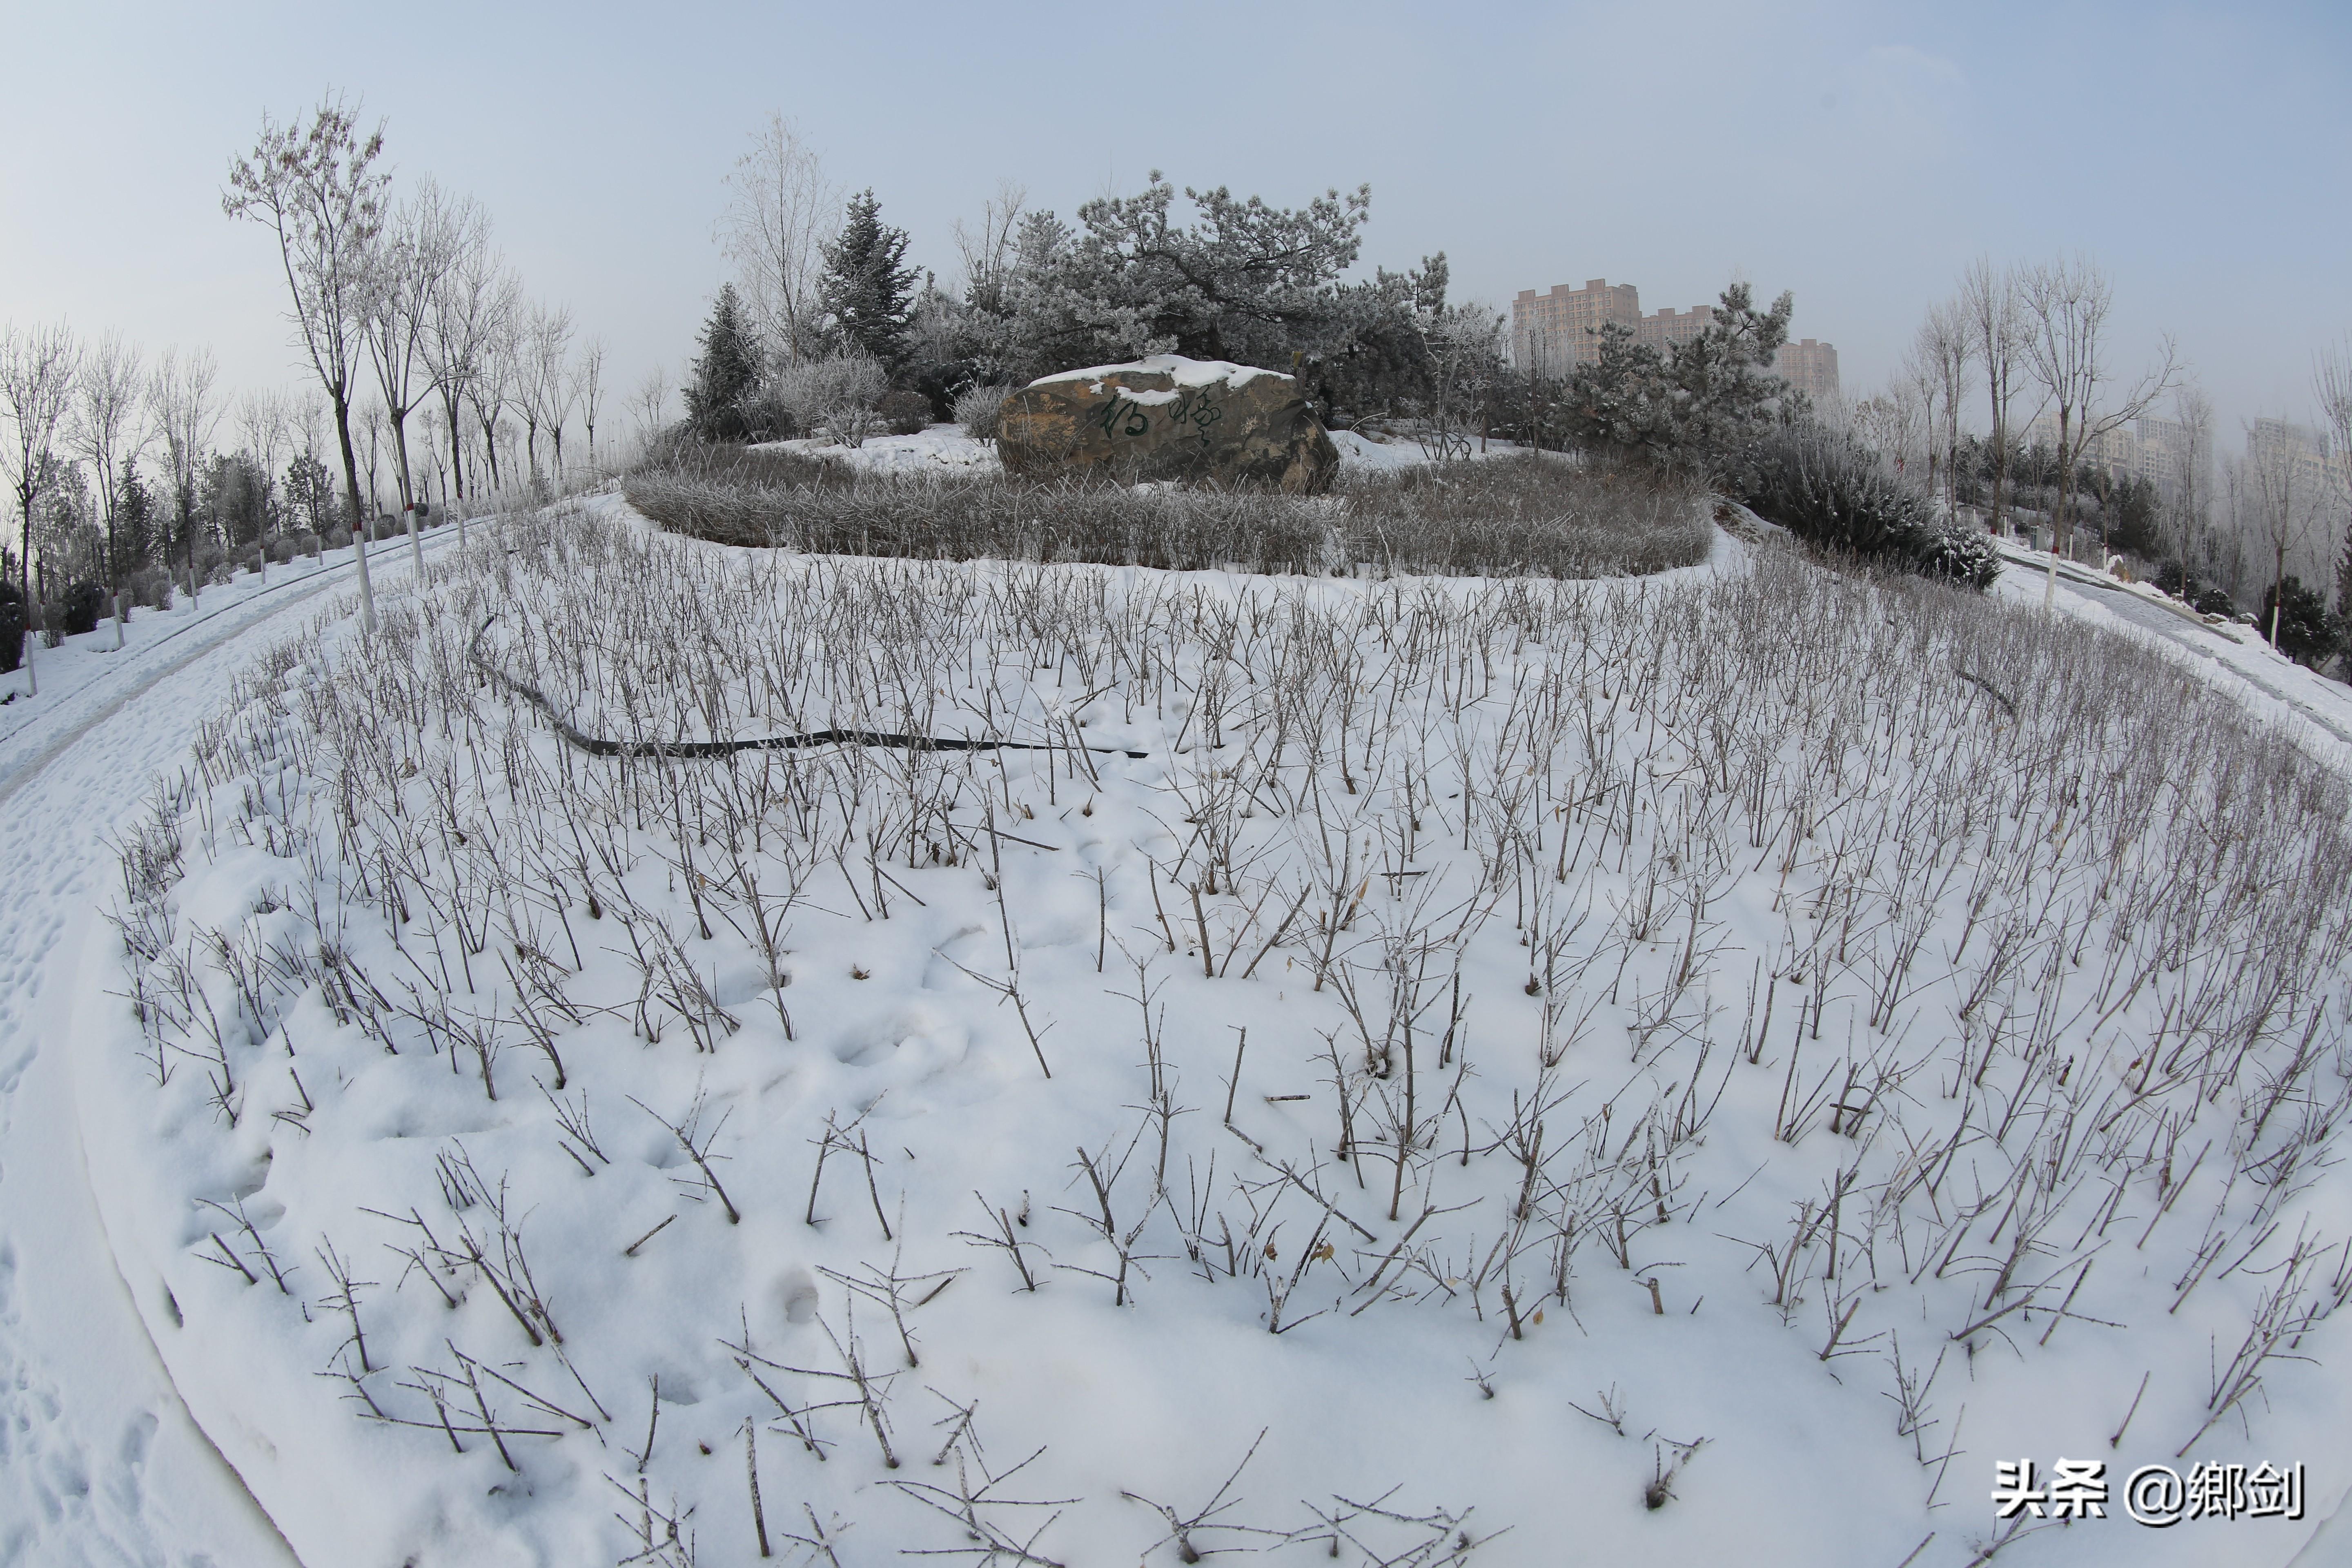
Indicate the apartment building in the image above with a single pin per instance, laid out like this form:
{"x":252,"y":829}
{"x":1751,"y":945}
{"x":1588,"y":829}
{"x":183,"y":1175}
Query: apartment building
{"x":1811,"y":368}
{"x":1665,"y":329}
{"x":1555,"y":331}
{"x":2295,"y":464}
{"x":2164,"y":452}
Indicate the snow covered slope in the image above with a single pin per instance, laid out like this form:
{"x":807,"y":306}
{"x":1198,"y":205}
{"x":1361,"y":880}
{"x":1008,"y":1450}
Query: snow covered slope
{"x":99,"y":1461}
{"x":1729,"y":1057}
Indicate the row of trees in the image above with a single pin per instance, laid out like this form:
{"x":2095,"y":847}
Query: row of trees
{"x":2039,"y":328}
{"x":429,"y":358}
{"x":409,"y":296}
{"x":2027,"y":347}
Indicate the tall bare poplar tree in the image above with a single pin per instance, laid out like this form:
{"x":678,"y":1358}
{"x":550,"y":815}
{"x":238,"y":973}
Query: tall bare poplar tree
{"x":542,"y":391}
{"x":588,"y":387}
{"x":107,"y":431}
{"x":783,"y":214}
{"x":182,"y":408}
{"x":317,"y":190}
{"x":421,"y":247}
{"x":1991,"y":303}
{"x":469,"y":309}
{"x":2332,"y":380}
{"x":2065,"y":305}
{"x":2287,"y":508}
{"x":261,"y":425}
{"x":2188,"y":474}
{"x":1944,"y":348}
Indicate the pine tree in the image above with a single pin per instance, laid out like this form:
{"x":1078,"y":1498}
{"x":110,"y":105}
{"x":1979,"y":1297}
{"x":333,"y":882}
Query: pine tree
{"x":2344,"y":578}
{"x":725,"y":375}
{"x":867,"y":286}
{"x":2304,"y":631}
{"x":1699,"y":408}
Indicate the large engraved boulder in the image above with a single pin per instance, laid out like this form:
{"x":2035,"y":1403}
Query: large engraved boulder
{"x":1167,"y":418}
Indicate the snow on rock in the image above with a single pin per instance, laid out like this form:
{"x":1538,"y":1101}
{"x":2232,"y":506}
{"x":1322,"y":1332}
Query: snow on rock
{"x":1177,"y":368}
{"x":1168,"y":417}
{"x":1696,"y":1044}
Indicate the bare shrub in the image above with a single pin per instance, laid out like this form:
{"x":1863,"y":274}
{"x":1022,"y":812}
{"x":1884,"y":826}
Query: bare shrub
{"x":1507,"y":518}
{"x":906,"y":412}
{"x":838,"y":392}
{"x":977,"y":408}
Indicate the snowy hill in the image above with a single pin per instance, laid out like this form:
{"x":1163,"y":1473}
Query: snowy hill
{"x":1670,"y":1069}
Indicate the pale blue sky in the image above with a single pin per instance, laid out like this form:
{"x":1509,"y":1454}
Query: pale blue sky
{"x":1858,"y":154}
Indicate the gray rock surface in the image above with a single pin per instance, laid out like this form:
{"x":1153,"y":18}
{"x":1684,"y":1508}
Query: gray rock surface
{"x":1167,"y":418}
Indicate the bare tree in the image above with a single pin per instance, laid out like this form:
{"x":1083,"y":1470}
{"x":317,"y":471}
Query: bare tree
{"x":372,"y":429}
{"x":261,"y":422}
{"x":651,"y":404}
{"x":318,"y":192}
{"x":1461,"y":341}
{"x":2066,"y":304}
{"x":588,"y":388}
{"x":544,"y":387}
{"x":180,"y":407}
{"x":783,"y":214}
{"x":1942,"y":352}
{"x":493,"y":386}
{"x":1897,"y":422}
{"x":38,"y":373}
{"x":107,"y":431}
{"x":2332,"y":380}
{"x":306,"y":415}
{"x":2287,"y":497}
{"x":2186,"y":471}
{"x":1991,"y":303}
{"x":422,"y":246}
{"x":987,"y":253}
{"x":477,"y":297}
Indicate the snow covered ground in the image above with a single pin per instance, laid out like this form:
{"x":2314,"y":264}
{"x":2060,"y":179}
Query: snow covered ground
{"x":2271,"y":683}
{"x":945,"y":449}
{"x":902,"y":1047}
{"x":99,"y":1461}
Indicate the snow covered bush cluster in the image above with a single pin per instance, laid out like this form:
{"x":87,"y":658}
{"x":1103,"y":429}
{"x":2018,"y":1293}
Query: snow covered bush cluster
{"x":1613,"y":1053}
{"x":1520,"y":514}
{"x":836,"y":393}
{"x":1824,"y":484}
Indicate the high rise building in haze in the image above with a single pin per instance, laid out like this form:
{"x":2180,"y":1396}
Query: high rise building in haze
{"x":1556,"y":331}
{"x":2169,"y":455}
{"x":1809,"y":368}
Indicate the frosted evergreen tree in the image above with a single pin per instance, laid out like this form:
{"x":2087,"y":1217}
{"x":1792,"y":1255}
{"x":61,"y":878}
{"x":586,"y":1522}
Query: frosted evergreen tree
{"x":725,"y":375}
{"x":1245,"y":281}
{"x":1700,"y":409}
{"x":867,"y":286}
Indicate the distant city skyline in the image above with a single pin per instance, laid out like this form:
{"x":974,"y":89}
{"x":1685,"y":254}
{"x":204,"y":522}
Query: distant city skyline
{"x":1859,"y":156}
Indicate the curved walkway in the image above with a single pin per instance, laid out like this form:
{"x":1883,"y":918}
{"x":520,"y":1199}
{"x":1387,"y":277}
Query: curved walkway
{"x":100,"y":1462}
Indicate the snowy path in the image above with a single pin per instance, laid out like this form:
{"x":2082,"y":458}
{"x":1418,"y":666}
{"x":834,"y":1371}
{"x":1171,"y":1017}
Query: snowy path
{"x":99,"y":1463}
{"x":2322,"y":702}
